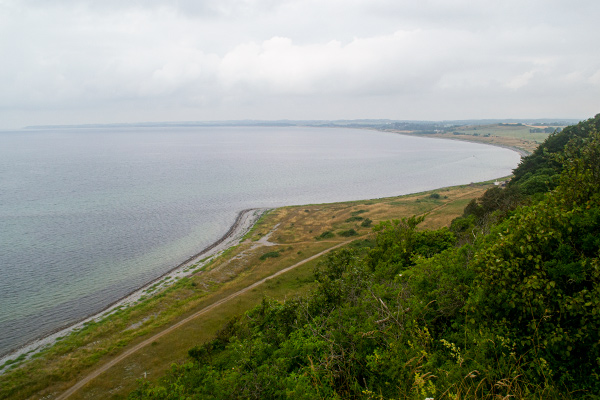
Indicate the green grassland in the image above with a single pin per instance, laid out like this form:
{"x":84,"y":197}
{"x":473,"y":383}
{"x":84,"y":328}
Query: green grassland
{"x":509,"y":135}
{"x":517,"y":131}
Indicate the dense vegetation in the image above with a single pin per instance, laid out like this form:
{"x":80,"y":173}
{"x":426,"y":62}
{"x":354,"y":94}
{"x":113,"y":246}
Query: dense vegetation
{"x":505,"y":304}
{"x":536,"y":175}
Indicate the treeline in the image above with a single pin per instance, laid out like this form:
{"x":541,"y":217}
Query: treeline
{"x":549,"y":129}
{"x":503,"y":304}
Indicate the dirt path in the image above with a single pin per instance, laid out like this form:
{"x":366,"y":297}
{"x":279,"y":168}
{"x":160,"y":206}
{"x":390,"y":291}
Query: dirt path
{"x":206,"y":309}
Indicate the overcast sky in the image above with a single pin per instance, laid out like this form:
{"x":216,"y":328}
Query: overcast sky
{"x":105,"y":61}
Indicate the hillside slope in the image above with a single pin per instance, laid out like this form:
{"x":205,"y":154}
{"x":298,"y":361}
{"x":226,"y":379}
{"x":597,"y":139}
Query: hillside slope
{"x":508,"y":307}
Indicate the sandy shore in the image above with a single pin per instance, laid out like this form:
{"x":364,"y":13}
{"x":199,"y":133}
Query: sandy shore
{"x":243,"y":223}
{"x":470,"y":139}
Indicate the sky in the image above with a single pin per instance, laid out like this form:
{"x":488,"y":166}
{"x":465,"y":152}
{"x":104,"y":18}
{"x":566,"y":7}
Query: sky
{"x":118,"y":61}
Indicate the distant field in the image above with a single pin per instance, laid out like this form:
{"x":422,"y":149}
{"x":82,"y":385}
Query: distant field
{"x":509,"y":130}
{"x":509,"y":135}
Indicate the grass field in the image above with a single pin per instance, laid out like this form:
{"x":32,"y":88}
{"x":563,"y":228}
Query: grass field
{"x":506,"y":130}
{"x":510,"y":135}
{"x":290,"y":232}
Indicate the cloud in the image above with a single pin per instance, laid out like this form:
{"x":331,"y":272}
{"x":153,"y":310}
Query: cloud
{"x":184,"y":59}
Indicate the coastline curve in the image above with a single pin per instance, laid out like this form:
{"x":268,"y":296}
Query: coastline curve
{"x":244,"y":221}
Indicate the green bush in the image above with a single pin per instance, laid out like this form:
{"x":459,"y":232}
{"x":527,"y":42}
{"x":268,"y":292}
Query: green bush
{"x":354,"y":213}
{"x":366,"y":223}
{"x":325,"y":235}
{"x":348,"y":233}
{"x":270,"y":254}
{"x":355,"y":218}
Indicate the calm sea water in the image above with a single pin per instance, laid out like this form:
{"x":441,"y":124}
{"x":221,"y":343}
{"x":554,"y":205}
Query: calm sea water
{"x":88,"y":215}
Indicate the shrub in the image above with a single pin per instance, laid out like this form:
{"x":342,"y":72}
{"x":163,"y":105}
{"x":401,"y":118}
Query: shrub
{"x":355,"y":218}
{"x":354,"y":213}
{"x":325,"y":235}
{"x":270,"y":254}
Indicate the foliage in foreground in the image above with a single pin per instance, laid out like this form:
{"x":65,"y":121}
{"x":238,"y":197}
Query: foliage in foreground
{"x":514,"y":313}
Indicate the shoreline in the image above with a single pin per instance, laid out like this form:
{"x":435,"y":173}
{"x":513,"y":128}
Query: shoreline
{"x":520,"y":151}
{"x":244,"y":221}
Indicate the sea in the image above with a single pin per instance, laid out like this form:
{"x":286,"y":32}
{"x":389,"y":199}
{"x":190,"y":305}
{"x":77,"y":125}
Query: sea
{"x":88,"y":215}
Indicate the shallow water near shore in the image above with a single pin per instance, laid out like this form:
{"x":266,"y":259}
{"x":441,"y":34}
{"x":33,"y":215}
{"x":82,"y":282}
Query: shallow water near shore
{"x":88,"y":215}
